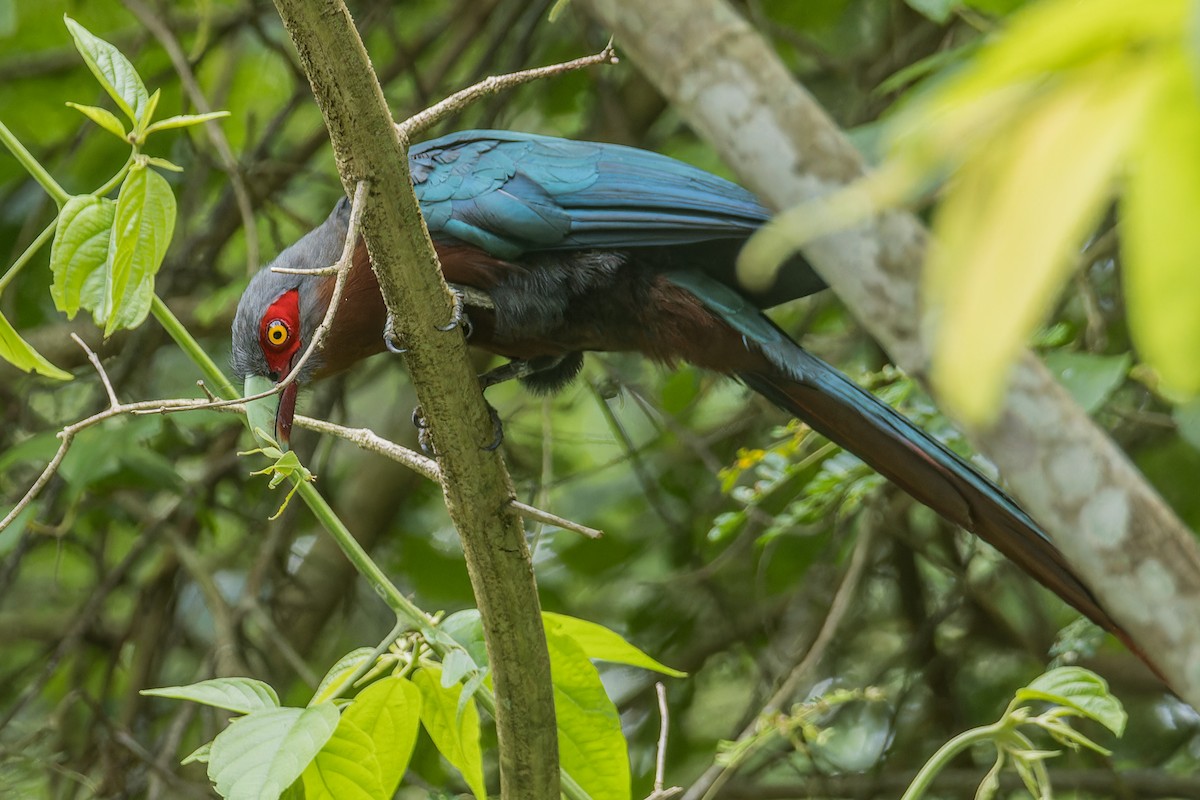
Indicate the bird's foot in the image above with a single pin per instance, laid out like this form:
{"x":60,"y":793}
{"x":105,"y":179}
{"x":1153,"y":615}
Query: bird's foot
{"x":541,"y":375}
{"x":458,"y":313}
{"x":389,"y":336}
{"x":425,"y":440}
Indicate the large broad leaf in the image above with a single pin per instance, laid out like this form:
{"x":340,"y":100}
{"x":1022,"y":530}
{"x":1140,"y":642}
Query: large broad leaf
{"x":591,"y":747}
{"x":371,"y":748}
{"x":347,"y":768}
{"x":599,"y":642}
{"x":112,"y":69}
{"x":1012,"y":221}
{"x":455,"y":735}
{"x":1160,"y":237}
{"x":80,"y":248}
{"x":241,"y":695}
{"x":1080,"y":690}
{"x":261,"y":754}
{"x":17,"y":352}
{"x":142,"y":230}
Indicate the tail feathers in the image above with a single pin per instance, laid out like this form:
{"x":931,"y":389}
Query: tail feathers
{"x":852,"y":417}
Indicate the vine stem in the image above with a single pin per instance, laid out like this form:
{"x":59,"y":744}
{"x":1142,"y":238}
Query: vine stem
{"x":32,"y":166}
{"x":946,"y":753}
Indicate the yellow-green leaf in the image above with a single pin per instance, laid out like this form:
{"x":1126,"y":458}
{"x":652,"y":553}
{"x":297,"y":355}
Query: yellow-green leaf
{"x":1012,"y":221}
{"x":17,"y":352}
{"x":1160,"y":238}
{"x":346,"y":768}
{"x":184,"y":120}
{"x":389,"y":712}
{"x":455,"y":735}
{"x":591,"y":746}
{"x":599,"y":642}
{"x":102,"y":117}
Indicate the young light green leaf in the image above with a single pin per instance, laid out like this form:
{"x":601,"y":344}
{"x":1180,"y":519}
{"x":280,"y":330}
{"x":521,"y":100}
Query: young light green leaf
{"x":599,"y":642}
{"x":80,"y":248}
{"x":17,"y":352}
{"x":148,"y":114}
{"x":261,"y":754}
{"x":112,"y":69}
{"x":346,"y":768}
{"x":198,"y":756}
{"x":456,"y":666}
{"x":162,"y":163}
{"x":142,"y":230}
{"x":184,"y":120}
{"x":455,"y":735}
{"x":335,"y":679}
{"x":240,"y":695}
{"x":102,"y":117}
{"x":1080,"y":690}
{"x":591,"y":747}
{"x":389,"y":712}
{"x":1159,"y":237}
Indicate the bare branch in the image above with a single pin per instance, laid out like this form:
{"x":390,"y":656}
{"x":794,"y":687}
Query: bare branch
{"x":92,"y":357}
{"x":422,"y":121}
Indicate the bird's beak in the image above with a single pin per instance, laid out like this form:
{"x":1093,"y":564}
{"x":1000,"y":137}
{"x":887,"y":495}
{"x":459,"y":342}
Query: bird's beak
{"x":271,"y":414}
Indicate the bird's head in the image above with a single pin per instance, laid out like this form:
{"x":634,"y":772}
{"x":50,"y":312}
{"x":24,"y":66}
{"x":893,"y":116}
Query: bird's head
{"x":276,"y":318}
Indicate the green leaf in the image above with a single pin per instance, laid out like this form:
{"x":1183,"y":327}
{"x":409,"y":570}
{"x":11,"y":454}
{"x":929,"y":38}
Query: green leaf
{"x":199,"y":756}
{"x":1091,"y":379}
{"x":80,"y":248}
{"x":466,"y":629}
{"x":102,"y":117}
{"x":1080,"y":690}
{"x":184,"y":120}
{"x":591,"y":747}
{"x":240,"y":695}
{"x":389,"y":712}
{"x":347,"y":768}
{"x":142,"y":230}
{"x":1159,"y":236}
{"x":112,"y":70}
{"x":599,"y":642}
{"x":455,"y":735}
{"x":339,"y":673}
{"x":1047,"y":175}
{"x":17,"y":352}
{"x":261,"y":754}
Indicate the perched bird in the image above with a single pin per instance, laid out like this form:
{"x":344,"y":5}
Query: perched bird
{"x":562,"y":247}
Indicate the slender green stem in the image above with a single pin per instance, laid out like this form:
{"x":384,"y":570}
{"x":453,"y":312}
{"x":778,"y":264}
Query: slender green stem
{"x":30,"y":252}
{"x":942,"y":758}
{"x":190,"y":346}
{"x":32,"y":166}
{"x":115,"y":180}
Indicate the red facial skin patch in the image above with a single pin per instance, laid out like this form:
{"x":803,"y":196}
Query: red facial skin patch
{"x":281,"y":357}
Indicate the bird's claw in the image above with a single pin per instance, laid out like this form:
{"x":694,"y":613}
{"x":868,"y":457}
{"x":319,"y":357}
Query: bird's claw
{"x":389,"y":337}
{"x":458,"y":314}
{"x":425,"y":440}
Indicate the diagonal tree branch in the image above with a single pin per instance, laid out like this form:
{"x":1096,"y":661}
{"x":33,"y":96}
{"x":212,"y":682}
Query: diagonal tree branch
{"x":477,"y":488}
{"x":727,"y":82}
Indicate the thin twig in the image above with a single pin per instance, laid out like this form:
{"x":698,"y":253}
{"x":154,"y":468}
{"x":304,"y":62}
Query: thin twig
{"x":424,"y":120}
{"x":113,"y":402}
{"x":368,"y":440}
{"x":660,"y":759}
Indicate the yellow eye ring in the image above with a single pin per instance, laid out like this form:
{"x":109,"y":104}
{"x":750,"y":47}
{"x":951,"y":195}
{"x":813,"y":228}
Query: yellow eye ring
{"x":277,"y":333}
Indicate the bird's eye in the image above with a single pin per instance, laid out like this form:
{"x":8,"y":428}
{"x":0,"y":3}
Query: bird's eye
{"x":278,"y":333}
